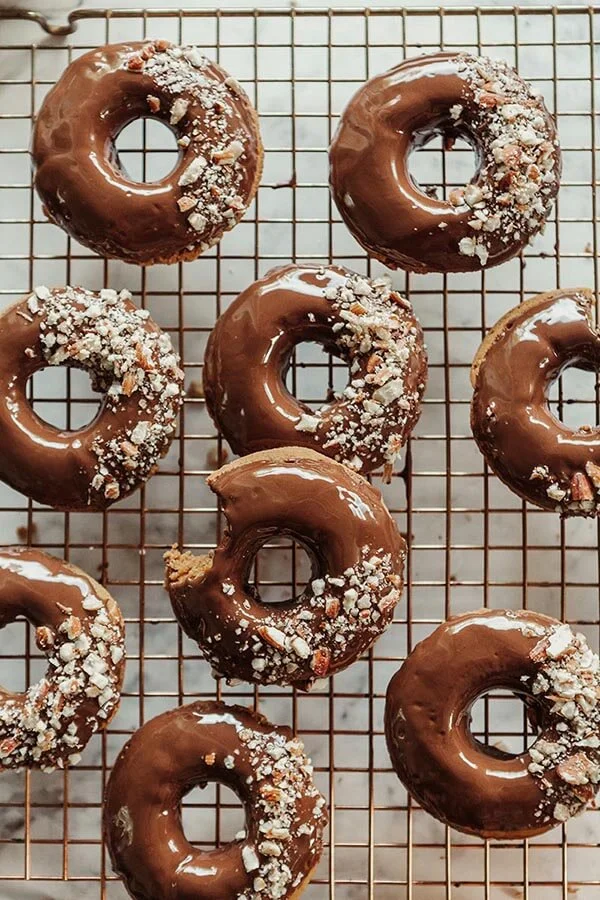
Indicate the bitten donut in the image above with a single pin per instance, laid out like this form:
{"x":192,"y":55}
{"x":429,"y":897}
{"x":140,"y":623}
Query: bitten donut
{"x":275,"y":855}
{"x":130,"y":361}
{"x":534,"y":453}
{"x":364,"y":322}
{"x":82,"y":183}
{"x":79,"y":627}
{"x":484,"y":790}
{"x":357,"y":555}
{"x":484,"y":223}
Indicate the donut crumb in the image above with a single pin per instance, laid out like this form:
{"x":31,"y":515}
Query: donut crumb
{"x":185,"y":568}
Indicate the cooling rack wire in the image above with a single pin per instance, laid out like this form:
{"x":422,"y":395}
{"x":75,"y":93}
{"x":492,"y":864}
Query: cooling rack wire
{"x":472,"y":543}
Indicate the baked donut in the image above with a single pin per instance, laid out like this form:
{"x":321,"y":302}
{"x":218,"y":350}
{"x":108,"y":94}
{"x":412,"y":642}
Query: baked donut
{"x":484,"y":790}
{"x":534,"y":453}
{"x":82,"y":183}
{"x":357,"y":555}
{"x":130,"y":361}
{"x":364,"y":322}
{"x":79,"y":627}
{"x":484,"y":223}
{"x":184,"y":748}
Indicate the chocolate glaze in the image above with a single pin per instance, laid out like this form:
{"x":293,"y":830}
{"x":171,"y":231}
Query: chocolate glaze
{"x":399,"y":111}
{"x":533,"y":452}
{"x":471,"y":787}
{"x":249,"y":352}
{"x":62,"y":602}
{"x":77,"y":173}
{"x":191,"y":746}
{"x":58,"y":467}
{"x":350,"y":536}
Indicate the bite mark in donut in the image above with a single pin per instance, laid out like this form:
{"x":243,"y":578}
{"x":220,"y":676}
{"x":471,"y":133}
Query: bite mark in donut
{"x":482,"y":790}
{"x":533,"y":452}
{"x":130,"y":361}
{"x":485,"y":222}
{"x":357,"y":555}
{"x":80,"y":629}
{"x":85,"y":189}
{"x":363,"y":321}
{"x":275,"y":855}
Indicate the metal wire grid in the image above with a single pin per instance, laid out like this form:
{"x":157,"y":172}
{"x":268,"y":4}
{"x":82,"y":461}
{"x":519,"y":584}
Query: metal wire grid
{"x":471,"y":542}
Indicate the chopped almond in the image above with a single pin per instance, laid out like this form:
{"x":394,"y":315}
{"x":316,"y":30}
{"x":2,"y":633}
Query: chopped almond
{"x":581,"y":489}
{"x":332,"y":607}
{"x":593,"y":472}
{"x":320,"y":662}
{"x":135,"y":63}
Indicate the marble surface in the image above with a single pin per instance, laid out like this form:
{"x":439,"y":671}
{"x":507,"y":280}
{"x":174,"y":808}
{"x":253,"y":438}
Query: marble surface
{"x":452,"y":505}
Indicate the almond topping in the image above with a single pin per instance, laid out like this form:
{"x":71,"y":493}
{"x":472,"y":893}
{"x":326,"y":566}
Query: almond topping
{"x":575,"y":769}
{"x":593,"y":472}
{"x":135,"y":63}
{"x":320,"y":661}
{"x":44,"y":637}
{"x":272,"y":636}
{"x":332,"y":607}
{"x":153,"y":103}
{"x":580,"y":487}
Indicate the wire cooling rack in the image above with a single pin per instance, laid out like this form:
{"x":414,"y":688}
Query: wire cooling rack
{"x":472,"y":542}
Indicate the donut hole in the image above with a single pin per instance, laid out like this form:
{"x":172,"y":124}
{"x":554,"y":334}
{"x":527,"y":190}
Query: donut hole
{"x":212,"y":816}
{"x":146,"y":151}
{"x":440,"y":161}
{"x":573,"y":398}
{"x":315,"y":375}
{"x":502,"y":723}
{"x":281,"y":571}
{"x":63,"y":397}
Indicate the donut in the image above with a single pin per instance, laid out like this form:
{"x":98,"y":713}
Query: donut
{"x":82,"y":183}
{"x":486,"y":103}
{"x":79,"y":627}
{"x":535,"y":454}
{"x":357,"y":557}
{"x":188,"y":747}
{"x":479,"y":789}
{"x":131,"y":362}
{"x":362,"y":321}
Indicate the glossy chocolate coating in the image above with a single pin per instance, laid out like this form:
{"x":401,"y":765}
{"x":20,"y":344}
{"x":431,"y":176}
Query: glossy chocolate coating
{"x":427,"y":725}
{"x":53,"y":466}
{"x":77,"y":174}
{"x":532,"y":451}
{"x":386,"y":211}
{"x":249,"y":352}
{"x":341,"y":521}
{"x":51,"y":594}
{"x":163,"y":761}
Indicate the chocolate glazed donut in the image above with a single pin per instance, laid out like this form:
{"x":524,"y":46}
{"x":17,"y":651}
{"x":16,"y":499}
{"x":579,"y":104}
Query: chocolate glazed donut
{"x":211,"y":742}
{"x":360,"y":320}
{"x":79,"y":627}
{"x":356,"y":552}
{"x":131,"y":362}
{"x":79,"y":177}
{"x":484,"y":223}
{"x":483,"y":790}
{"x":534,"y":453}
